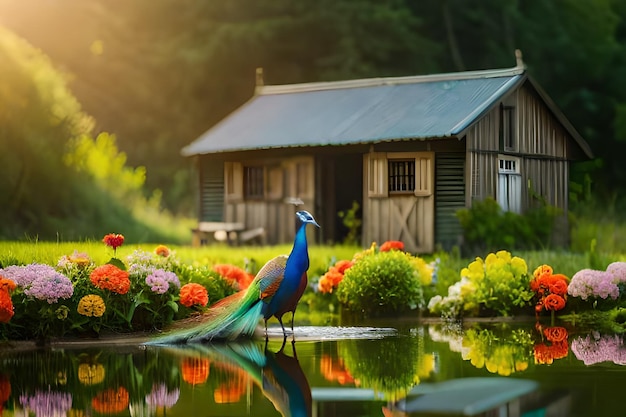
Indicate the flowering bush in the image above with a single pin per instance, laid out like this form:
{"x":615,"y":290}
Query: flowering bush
{"x":593,"y":285}
{"x":550,"y":290}
{"x":383,"y":282}
{"x":499,"y":284}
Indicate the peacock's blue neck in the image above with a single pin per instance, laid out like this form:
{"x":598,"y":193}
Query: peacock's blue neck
{"x":298,"y":260}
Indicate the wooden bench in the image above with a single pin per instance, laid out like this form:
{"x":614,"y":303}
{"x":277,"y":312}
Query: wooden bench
{"x":208,"y":232}
{"x":233,"y":233}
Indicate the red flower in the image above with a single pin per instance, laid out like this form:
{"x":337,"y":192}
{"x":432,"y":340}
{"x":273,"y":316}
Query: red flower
{"x":392,"y":245}
{"x":193,"y":294}
{"x":110,"y":277}
{"x":554,"y":302}
{"x":113,"y":240}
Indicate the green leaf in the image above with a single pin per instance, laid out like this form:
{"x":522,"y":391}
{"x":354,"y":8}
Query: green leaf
{"x":118,"y":263}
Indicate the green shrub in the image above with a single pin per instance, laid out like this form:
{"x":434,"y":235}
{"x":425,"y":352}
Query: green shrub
{"x":382,"y":283}
{"x":487,"y":228}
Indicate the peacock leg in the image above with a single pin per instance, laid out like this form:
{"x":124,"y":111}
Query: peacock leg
{"x":293,"y":333}
{"x":266,"y":337}
{"x":280,"y":320}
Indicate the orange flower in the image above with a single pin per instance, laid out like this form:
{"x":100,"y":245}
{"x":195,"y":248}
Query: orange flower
{"x":232,"y":390}
{"x":162,"y":250}
{"x":7,"y":284}
{"x":113,"y":240}
{"x":554,"y":302}
{"x":110,"y":277}
{"x":555,"y":334}
{"x":558,"y":286}
{"x":343,"y":266}
{"x":195,"y":370}
{"x":111,"y":401}
{"x":193,"y":294}
{"x":6,"y":306}
{"x":330,"y":280}
{"x":392,"y":245}
{"x":543,"y":355}
{"x":235,"y":275}
{"x":334,"y":370}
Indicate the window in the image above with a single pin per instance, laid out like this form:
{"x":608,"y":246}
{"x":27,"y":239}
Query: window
{"x":399,"y":173}
{"x":401,"y":176}
{"x":507,"y":128}
{"x":253,"y":182}
{"x":509,"y":184}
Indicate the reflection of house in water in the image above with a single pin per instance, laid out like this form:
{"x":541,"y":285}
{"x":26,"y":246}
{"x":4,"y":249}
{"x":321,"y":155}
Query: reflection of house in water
{"x":494,"y":396}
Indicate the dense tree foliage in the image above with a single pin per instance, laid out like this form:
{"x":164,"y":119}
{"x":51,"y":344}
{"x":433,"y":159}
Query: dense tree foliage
{"x":158,"y":73}
{"x":58,"y":182}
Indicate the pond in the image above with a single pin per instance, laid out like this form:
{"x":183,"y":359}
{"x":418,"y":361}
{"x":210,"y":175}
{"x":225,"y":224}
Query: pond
{"x":393,"y":368}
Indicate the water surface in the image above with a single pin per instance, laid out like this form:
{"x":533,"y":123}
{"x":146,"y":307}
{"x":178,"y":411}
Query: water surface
{"x":395,"y":368}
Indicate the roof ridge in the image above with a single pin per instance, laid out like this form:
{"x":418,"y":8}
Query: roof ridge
{"x":373,"y":82}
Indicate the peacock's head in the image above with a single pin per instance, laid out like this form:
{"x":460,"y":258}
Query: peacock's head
{"x":306,"y":218}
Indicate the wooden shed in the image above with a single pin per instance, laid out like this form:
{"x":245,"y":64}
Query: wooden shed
{"x":410,"y":150}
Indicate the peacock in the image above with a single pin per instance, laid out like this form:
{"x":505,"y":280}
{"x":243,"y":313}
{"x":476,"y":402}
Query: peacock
{"x":275,"y":290}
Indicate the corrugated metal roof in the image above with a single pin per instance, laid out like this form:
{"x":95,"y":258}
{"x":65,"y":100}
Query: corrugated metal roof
{"x":358,"y":111}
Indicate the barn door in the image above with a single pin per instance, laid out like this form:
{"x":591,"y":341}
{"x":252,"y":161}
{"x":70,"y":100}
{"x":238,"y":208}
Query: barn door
{"x":400,"y":203}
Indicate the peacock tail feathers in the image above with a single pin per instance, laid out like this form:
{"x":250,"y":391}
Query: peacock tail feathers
{"x":232,"y":317}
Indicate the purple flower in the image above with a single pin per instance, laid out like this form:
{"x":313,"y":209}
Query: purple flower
{"x":159,"y":281}
{"x":161,"y":397}
{"x":40,"y":281}
{"x":25,"y":275}
{"x":47,"y":403}
{"x":589,"y":283}
{"x":618,"y":270}
{"x":50,"y":288}
{"x":595,"y":349}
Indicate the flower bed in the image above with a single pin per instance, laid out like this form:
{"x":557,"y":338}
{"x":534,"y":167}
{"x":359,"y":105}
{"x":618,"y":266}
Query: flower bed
{"x":145,"y":291}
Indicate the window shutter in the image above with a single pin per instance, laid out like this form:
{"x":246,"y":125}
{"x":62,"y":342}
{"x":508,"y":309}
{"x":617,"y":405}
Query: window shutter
{"x":423,"y":175}
{"x":233,"y":181}
{"x":377,"y":175}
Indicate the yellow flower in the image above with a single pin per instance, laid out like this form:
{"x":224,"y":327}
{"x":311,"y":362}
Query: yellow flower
{"x":91,"y":305}
{"x":90,"y":373}
{"x":504,"y":255}
{"x":475,"y":270}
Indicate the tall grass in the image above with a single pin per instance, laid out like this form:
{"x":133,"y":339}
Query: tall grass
{"x":254,"y":257}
